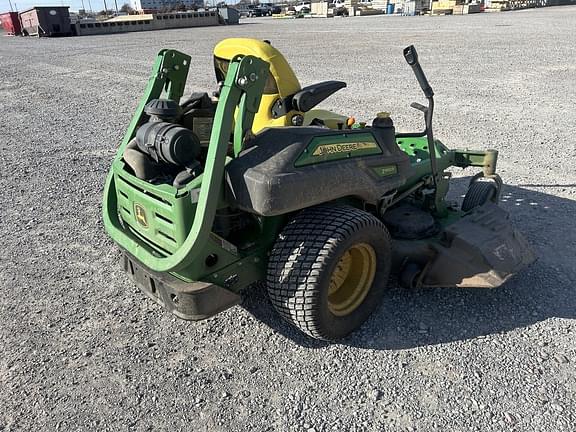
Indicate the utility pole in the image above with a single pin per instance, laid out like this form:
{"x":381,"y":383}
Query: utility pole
{"x":11,"y":8}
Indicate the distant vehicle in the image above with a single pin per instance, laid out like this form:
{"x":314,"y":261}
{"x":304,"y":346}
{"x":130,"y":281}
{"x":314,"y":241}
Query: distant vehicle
{"x":243,"y":10}
{"x":340,"y":9}
{"x":269,"y":9}
{"x":364,"y":2}
{"x":254,"y":11}
{"x":303,"y":7}
{"x":265,"y":10}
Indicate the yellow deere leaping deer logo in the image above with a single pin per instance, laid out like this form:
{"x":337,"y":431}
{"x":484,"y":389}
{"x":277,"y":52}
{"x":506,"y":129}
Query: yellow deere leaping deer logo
{"x":140,"y":214}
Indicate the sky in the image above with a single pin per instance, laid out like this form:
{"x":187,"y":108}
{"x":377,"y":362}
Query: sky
{"x":97,"y":5}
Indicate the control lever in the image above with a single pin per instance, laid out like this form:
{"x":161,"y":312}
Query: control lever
{"x":411,"y":57}
{"x":419,"y":107}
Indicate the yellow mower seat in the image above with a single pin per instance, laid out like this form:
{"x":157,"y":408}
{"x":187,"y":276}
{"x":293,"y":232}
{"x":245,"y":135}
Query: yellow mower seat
{"x":281,"y":84}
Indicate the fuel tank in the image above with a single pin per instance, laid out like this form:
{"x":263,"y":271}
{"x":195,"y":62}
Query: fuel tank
{"x":290,"y":168}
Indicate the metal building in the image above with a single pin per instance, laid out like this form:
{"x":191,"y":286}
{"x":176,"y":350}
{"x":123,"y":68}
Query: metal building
{"x":46,"y":21}
{"x":166,"y":4}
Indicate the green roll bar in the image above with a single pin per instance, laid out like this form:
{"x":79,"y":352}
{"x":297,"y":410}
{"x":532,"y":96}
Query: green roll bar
{"x":239,"y":101}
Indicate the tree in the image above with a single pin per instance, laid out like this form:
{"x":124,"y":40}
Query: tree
{"x":126,"y":8}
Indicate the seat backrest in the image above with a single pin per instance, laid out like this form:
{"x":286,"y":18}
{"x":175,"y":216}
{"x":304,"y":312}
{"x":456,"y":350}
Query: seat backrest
{"x":282,"y":81}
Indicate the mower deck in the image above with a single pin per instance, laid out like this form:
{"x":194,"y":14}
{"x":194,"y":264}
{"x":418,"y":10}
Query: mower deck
{"x":479,"y":250}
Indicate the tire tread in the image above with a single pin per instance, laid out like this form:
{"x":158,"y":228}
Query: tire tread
{"x":293,"y":273}
{"x":478,"y":194}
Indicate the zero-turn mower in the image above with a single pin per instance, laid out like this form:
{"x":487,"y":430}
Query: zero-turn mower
{"x":209,"y":195}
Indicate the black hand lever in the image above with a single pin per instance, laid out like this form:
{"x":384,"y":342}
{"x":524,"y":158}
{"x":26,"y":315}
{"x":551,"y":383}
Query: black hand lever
{"x":419,"y":107}
{"x":411,"y":57}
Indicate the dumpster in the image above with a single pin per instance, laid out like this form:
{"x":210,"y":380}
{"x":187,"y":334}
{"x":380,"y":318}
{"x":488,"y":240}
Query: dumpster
{"x":11,"y":23}
{"x":46,"y":21}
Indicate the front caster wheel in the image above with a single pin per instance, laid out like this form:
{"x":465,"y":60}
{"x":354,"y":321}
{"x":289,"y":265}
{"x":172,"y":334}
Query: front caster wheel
{"x":328,"y":270}
{"x":478,"y":194}
{"x":409,"y":275}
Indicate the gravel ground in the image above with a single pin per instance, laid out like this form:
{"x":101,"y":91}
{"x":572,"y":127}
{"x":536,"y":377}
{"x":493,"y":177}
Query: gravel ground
{"x":82,"y":349}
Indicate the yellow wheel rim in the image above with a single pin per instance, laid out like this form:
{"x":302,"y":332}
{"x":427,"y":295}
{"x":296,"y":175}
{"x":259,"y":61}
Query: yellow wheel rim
{"x":351,"y":279}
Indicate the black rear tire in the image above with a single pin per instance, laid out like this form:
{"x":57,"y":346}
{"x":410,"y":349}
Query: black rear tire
{"x":478,"y":194}
{"x":305,"y":258}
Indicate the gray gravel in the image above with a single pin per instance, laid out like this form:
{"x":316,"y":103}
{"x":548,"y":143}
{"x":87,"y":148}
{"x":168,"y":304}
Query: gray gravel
{"x":82,"y":349}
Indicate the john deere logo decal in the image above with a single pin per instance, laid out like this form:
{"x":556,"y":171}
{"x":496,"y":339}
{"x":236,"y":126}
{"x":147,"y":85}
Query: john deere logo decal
{"x":344,"y":148}
{"x":140,"y":215}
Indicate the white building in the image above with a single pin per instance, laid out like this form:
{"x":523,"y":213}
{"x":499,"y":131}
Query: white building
{"x":164,"y":4}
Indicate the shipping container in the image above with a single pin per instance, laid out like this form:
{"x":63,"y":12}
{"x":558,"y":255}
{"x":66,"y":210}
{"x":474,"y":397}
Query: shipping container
{"x":46,"y":21}
{"x":10,"y":23}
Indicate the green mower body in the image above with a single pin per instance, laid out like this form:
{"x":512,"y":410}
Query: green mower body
{"x":295,"y":206}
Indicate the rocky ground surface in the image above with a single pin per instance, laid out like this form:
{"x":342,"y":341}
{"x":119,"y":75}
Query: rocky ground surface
{"x":82,"y":349}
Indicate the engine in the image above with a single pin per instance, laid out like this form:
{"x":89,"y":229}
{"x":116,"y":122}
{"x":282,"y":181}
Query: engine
{"x":171,"y":146}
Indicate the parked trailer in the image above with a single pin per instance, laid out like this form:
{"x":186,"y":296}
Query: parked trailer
{"x":145,"y":22}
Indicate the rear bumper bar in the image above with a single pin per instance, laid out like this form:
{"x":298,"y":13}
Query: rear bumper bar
{"x":187,"y":300}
